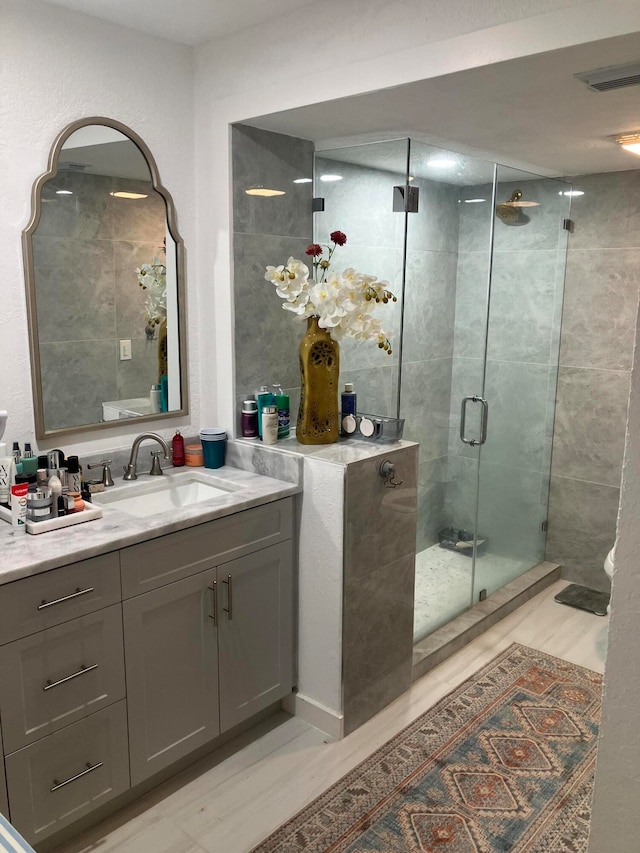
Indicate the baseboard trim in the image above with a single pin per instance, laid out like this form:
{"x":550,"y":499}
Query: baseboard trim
{"x":316,"y":715}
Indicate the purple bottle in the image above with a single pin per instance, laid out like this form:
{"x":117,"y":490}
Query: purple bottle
{"x":250,"y":419}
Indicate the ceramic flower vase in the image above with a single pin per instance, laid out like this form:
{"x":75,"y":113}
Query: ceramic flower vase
{"x":318,"y":418}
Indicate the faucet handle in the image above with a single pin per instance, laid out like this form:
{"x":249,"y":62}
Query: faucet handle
{"x":107,"y":479}
{"x":156,"y":469}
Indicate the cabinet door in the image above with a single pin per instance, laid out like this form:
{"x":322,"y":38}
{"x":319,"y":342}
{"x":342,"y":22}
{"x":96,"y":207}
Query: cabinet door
{"x":255,"y":633}
{"x":171,"y":663}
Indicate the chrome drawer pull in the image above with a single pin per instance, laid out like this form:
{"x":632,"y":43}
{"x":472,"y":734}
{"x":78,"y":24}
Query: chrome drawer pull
{"x":90,"y":769}
{"x":229,"y":610}
{"x":81,"y":671}
{"x":214,"y":615}
{"x":75,"y":594}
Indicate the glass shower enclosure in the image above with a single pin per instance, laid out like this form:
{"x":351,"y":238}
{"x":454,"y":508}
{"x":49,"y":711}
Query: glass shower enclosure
{"x":475,"y":253}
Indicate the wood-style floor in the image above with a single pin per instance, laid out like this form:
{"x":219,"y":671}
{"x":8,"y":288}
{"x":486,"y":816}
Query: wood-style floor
{"x":229,"y":802}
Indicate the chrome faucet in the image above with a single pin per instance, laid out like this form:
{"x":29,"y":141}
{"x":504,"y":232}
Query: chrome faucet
{"x":130,"y":469}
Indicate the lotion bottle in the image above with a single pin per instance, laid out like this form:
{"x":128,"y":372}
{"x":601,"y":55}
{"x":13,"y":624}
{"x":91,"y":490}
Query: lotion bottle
{"x":269,"y":425}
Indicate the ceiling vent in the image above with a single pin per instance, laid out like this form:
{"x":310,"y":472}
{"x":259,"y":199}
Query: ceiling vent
{"x":613,"y":77}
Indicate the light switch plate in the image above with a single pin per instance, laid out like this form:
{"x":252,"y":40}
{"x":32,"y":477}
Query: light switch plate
{"x":125,"y":350}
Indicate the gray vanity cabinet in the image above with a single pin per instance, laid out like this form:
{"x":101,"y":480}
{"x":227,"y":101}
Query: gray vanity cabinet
{"x":255,"y":632}
{"x":172,"y":673}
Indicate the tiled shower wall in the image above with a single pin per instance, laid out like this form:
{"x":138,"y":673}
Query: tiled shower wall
{"x":86,"y":250}
{"x":267,"y":231}
{"x":601,"y":303}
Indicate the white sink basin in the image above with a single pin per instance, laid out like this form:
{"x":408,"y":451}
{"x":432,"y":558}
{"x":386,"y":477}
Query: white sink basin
{"x":167,"y":493}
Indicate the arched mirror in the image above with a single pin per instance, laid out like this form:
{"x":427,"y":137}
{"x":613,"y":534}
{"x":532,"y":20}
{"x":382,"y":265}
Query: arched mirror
{"x":105,"y":285}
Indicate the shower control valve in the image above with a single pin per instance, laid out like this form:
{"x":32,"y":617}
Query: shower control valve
{"x":388,"y":473}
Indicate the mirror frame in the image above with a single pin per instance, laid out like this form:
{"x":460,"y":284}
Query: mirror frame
{"x":41,"y":431}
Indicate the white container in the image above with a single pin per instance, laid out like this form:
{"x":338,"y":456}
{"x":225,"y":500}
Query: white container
{"x":269,"y":425}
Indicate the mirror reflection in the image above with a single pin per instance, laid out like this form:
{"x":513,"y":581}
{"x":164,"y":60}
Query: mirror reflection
{"x":102,"y":263}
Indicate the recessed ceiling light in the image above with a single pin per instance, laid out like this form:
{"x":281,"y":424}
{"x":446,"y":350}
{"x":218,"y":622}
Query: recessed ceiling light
{"x":571,"y":193}
{"x":303,"y":180}
{"x":64,"y":192}
{"x":629,"y":141}
{"x":264,"y":192}
{"x":123,"y":194}
{"x":441,"y":162}
{"x":329,"y":178}
{"x":474,"y":200}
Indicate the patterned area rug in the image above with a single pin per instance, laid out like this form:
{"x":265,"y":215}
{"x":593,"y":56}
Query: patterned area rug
{"x":503,"y":763}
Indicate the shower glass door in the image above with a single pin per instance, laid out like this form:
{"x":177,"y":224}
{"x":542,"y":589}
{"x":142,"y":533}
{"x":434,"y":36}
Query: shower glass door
{"x":443,"y":348}
{"x":482,"y":308}
{"x":520,"y":374}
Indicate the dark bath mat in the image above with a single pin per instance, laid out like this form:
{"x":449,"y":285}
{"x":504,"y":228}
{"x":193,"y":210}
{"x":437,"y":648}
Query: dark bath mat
{"x":584,"y":599}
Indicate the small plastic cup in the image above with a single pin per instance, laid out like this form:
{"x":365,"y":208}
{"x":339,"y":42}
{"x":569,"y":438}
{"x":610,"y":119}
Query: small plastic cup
{"x":214,"y":445}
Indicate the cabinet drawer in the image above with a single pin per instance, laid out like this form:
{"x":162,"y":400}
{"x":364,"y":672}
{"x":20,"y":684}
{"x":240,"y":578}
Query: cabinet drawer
{"x":170,"y":558}
{"x":53,"y":678}
{"x":42,"y":601}
{"x":60,"y":778}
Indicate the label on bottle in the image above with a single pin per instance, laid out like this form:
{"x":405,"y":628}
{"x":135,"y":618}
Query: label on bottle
{"x":284,"y":422}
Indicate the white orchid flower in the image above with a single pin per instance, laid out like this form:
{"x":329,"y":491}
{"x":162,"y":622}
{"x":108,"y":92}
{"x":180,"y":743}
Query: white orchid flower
{"x":275,"y":274}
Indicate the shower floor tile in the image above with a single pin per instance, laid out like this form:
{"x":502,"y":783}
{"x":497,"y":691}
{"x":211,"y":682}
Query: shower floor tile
{"x":443,"y":585}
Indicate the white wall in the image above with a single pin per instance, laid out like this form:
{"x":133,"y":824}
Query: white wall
{"x":616,"y":817}
{"x":59,"y":66}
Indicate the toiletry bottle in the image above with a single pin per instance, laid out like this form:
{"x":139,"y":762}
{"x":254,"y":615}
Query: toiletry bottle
{"x":16,"y":451}
{"x":269,"y":424}
{"x":6,"y":464}
{"x":19,"y":508}
{"x":155,"y":397}
{"x":263,"y":398}
{"x":250,"y":419}
{"x":74,"y":475}
{"x":282,"y":405}
{"x":177,"y":450}
{"x":348,"y":403}
{"x":28,"y":452}
{"x":56,"y":492}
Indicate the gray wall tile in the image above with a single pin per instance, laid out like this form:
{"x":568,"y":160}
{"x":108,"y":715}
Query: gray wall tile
{"x":432,"y":482}
{"x":607,"y":216}
{"x":600,"y":307}
{"x":266,"y":336}
{"x":76,"y":380}
{"x":429,"y":305}
{"x":582,"y":529}
{"x":377,"y":639}
{"x":380,"y":522}
{"x":590,"y":423}
{"x":273,"y":160}
{"x":425,"y":404}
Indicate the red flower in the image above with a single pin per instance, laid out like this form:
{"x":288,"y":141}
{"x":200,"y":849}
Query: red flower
{"x":338,"y":238}
{"x":313,"y":249}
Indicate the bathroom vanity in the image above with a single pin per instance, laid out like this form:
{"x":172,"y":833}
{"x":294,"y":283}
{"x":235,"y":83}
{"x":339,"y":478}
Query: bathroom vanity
{"x":129,"y":644}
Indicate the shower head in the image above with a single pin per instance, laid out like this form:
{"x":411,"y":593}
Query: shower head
{"x":510,"y":211}
{"x":507,"y":211}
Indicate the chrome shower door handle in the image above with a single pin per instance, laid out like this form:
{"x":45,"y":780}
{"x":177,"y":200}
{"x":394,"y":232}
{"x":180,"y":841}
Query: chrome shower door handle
{"x":484,"y":418}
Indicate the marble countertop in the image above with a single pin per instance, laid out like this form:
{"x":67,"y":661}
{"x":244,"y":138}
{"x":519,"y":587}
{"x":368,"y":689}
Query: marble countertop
{"x":24,"y":555}
{"x":345,"y":451}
